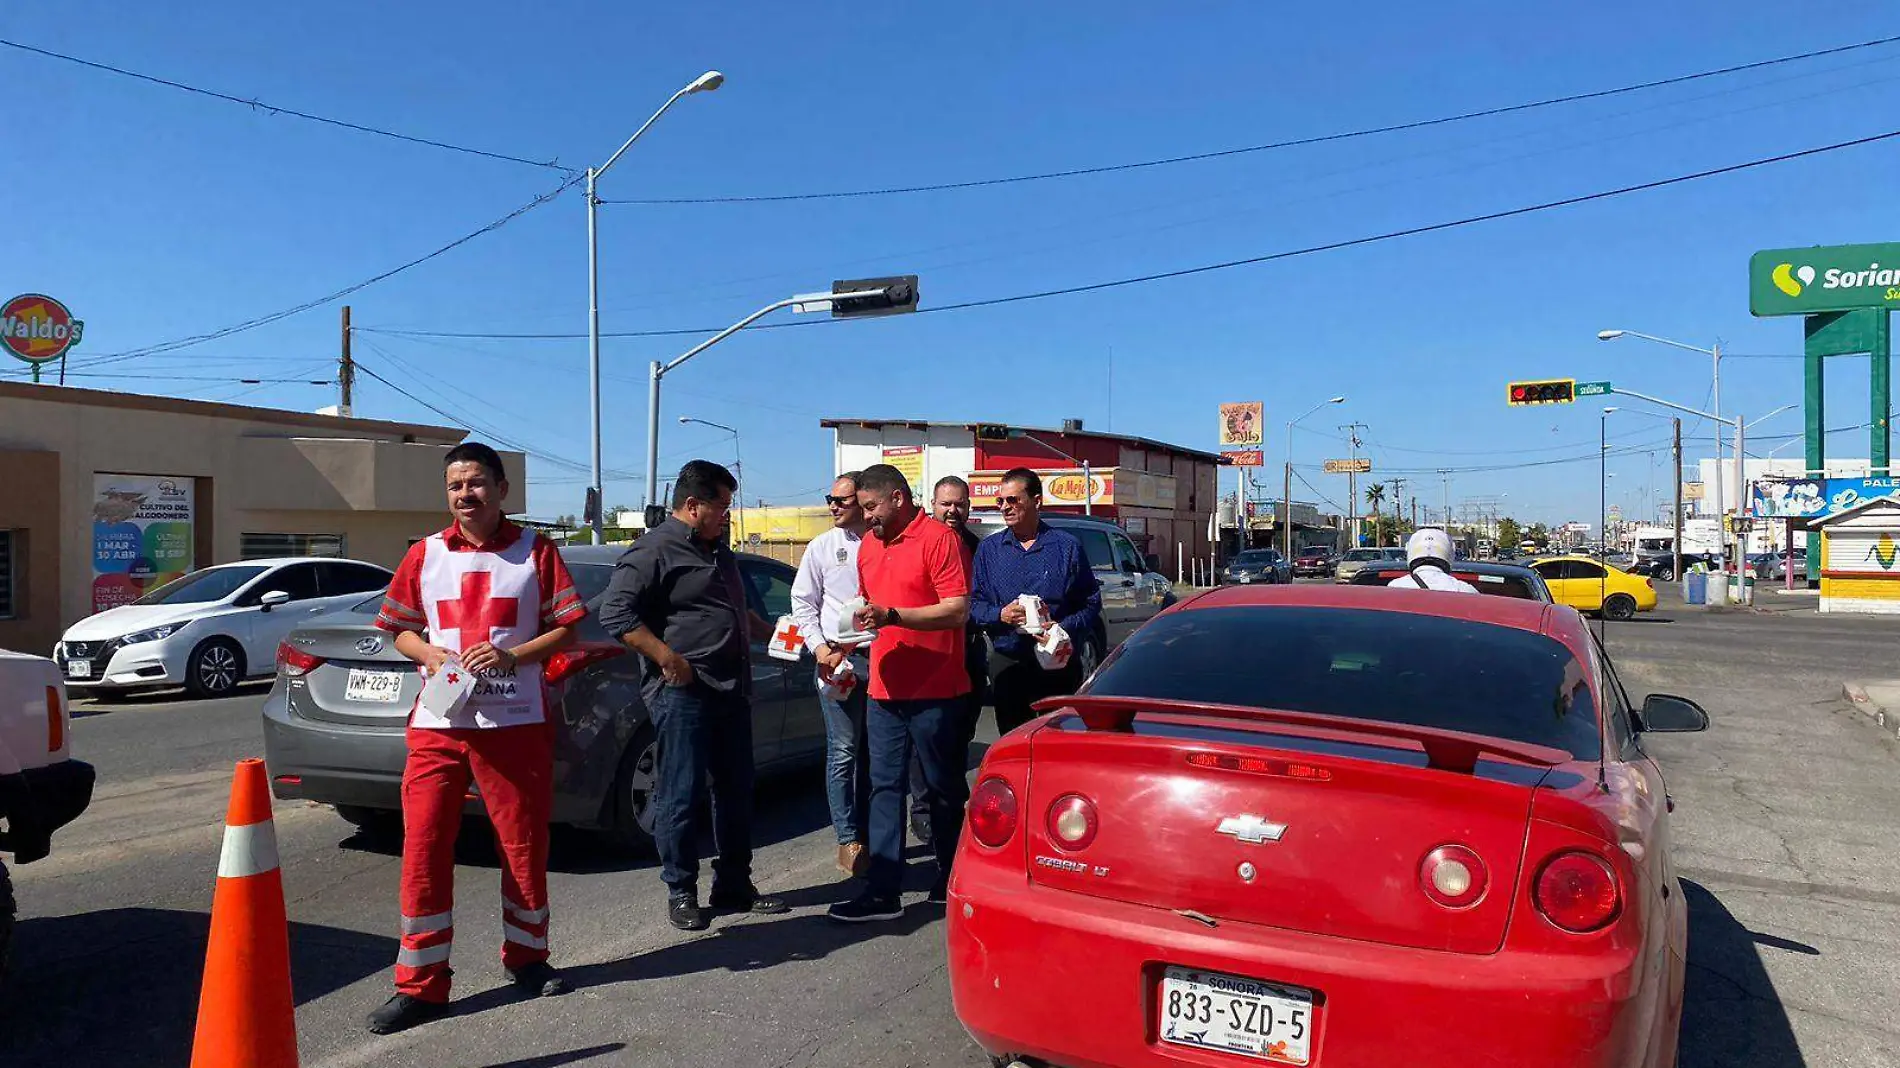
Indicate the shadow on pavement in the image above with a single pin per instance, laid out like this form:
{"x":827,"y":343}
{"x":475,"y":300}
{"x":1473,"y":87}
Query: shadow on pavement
{"x":552,"y":1060}
{"x":1731,"y":1016}
{"x":83,"y":705}
{"x":120,"y":987}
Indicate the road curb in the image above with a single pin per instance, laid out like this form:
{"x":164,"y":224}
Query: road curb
{"x":1864,"y":703}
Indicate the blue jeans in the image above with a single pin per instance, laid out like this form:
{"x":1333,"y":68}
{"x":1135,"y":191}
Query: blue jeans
{"x":932,"y":728}
{"x":847,"y":763}
{"x":705,"y":740}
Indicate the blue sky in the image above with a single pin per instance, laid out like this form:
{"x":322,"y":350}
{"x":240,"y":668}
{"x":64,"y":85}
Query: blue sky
{"x":157,"y":215}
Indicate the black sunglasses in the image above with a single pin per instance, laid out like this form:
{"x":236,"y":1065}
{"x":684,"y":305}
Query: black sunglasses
{"x":840,"y":502}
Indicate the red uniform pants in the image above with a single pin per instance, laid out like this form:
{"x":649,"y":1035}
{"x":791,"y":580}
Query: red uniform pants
{"x":514,"y":769}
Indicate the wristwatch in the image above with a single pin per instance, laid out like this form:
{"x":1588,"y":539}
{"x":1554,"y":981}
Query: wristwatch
{"x":891,"y":618}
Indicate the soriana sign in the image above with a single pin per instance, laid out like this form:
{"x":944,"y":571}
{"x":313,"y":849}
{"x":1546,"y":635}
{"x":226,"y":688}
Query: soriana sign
{"x":38,"y":329}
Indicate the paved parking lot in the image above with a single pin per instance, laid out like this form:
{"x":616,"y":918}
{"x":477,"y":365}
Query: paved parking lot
{"x":1787,"y":822}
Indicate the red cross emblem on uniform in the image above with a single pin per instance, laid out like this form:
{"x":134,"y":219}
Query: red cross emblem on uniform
{"x":476,"y":614}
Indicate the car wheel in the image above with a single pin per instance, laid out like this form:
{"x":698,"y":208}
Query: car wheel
{"x":1089,"y":656}
{"x":632,"y":826}
{"x":374,"y":822}
{"x":1619,"y":606}
{"x":1665,"y":574}
{"x":214,"y":668}
{"x":6,"y":919}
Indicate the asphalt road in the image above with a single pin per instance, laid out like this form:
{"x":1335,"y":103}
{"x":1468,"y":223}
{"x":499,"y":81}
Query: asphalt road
{"x":1787,"y":825}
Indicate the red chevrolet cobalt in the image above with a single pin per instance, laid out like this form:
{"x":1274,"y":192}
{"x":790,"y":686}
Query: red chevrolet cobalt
{"x":1329,"y":826}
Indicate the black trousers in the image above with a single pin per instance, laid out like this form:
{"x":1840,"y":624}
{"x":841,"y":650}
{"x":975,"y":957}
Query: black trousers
{"x":1022,"y":682}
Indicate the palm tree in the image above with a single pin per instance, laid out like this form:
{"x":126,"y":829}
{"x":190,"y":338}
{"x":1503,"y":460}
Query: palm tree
{"x":1375,"y":496}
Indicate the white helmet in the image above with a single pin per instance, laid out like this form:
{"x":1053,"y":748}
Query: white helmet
{"x":1429,"y":543}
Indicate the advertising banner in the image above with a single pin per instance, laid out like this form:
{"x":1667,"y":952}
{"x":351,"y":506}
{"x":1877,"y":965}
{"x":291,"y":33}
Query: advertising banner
{"x":909,"y":460}
{"x":141,"y":535}
{"x":1806,"y":498}
{"x":1243,"y":457}
{"x":1361,"y":466}
{"x":1241,"y":425}
{"x":1802,"y":281}
{"x":1060,"y":486}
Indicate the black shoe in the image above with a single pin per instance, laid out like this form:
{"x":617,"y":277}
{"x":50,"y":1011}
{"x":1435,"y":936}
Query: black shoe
{"x":939,"y":892}
{"x":402,"y":1012}
{"x":747,"y":899}
{"x":920,"y":827}
{"x":867,"y":908}
{"x":539,"y":979}
{"x":685,"y":914}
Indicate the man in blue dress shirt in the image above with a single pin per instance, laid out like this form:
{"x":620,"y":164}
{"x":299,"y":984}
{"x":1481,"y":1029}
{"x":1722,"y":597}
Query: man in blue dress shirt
{"x":1030,"y":557}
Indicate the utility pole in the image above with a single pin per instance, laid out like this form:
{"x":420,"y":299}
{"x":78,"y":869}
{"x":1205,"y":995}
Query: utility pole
{"x":1676,"y":567}
{"x":346,"y":372}
{"x":1398,"y":505}
{"x":1445,"y":475}
{"x":1352,"y":482}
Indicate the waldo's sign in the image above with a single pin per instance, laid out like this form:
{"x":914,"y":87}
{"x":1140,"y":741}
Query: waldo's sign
{"x":38,"y":329}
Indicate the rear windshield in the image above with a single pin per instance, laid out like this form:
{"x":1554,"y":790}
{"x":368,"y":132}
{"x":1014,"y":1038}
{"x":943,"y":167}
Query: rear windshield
{"x":1365,"y":554}
{"x":1496,"y":585}
{"x":1396,"y":667}
{"x":1257,"y":556}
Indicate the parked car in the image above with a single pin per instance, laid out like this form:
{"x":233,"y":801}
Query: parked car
{"x":334,"y":719}
{"x":1592,"y":586}
{"x":42,"y":788}
{"x":1775,"y":565}
{"x":1354,"y":559}
{"x":211,"y":629}
{"x":1496,"y":579}
{"x":1258,"y":565}
{"x":1133,"y":587}
{"x":1320,"y":856}
{"x":1314,"y":561}
{"x":1662,"y":567}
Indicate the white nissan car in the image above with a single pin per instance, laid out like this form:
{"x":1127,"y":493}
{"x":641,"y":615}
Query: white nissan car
{"x":210,"y":629}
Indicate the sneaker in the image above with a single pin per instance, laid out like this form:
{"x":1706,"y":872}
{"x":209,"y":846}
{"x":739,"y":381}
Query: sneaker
{"x":747,"y":899}
{"x":939,"y":892}
{"x":852,"y":859}
{"x":685,"y":914}
{"x":539,"y":979}
{"x":867,"y":908}
{"x":920,"y":827}
{"x":402,"y":1012}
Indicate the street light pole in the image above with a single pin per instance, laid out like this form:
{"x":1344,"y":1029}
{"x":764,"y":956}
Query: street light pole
{"x":1286,"y":490}
{"x":706,"y":82}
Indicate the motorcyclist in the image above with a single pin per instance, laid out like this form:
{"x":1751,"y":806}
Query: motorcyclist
{"x":1428,"y":556}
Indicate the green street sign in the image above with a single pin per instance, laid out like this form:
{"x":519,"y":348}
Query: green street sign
{"x":1822,"y":278}
{"x":1593,"y":389}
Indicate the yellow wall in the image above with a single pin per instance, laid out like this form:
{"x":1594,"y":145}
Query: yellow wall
{"x":1861,"y":589}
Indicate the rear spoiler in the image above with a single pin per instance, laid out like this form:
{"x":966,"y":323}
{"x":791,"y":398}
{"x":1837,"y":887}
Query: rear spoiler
{"x":1444,"y":750}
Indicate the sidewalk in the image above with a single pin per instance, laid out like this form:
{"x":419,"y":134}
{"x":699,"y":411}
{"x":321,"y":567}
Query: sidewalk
{"x":1878,"y":699}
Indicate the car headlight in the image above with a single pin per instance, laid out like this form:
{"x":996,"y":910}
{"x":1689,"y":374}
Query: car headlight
{"x":152,"y":635}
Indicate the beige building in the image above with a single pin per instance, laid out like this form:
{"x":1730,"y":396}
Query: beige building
{"x":104,"y":495}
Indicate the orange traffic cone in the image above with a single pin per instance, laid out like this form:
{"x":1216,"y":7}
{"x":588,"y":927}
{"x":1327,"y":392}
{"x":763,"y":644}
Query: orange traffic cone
{"x":246,"y":1017}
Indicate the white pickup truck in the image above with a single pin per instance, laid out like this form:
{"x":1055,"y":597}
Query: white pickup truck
{"x":42,"y":788}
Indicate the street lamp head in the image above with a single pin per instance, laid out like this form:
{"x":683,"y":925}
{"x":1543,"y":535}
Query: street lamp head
{"x":1609,"y":409}
{"x":1609,"y":335}
{"x":1337,"y":400}
{"x":707,"y":82}
{"x":684,"y":420}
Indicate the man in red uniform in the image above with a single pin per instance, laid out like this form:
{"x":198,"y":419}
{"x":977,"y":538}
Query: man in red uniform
{"x":497,"y":601}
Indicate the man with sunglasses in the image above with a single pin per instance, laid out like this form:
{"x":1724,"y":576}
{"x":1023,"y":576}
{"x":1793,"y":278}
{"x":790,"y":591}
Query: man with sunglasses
{"x":677,"y":599}
{"x":827,"y":579}
{"x":1035,"y":558}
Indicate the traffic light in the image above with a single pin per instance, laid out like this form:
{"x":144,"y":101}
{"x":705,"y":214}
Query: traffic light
{"x":1545,"y":391}
{"x":992,"y":432}
{"x":898,"y":295}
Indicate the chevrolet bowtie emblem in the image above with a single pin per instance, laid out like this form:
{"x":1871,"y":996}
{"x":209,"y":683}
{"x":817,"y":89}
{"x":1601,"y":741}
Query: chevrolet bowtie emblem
{"x":1251,"y":829}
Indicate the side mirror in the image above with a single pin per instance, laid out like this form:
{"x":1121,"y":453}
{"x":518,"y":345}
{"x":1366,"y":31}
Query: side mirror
{"x":1154,"y":563}
{"x":1664,"y":714}
{"x":273,"y":599}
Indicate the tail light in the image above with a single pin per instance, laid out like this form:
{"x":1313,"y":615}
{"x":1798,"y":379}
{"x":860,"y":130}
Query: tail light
{"x":1072,"y":823}
{"x":1650,"y":582}
{"x":993,"y":812}
{"x":294,"y":662}
{"x":1578,"y":892}
{"x":55,"y":721}
{"x":1453,"y":876}
{"x":570,"y":662}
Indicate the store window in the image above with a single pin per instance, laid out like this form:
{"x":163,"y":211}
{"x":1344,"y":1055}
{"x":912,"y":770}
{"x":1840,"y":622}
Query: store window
{"x":11,"y":566}
{"x":265,"y":546}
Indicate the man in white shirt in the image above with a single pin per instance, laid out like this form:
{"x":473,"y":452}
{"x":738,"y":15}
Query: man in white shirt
{"x":1428,"y":557}
{"x":827,"y":578}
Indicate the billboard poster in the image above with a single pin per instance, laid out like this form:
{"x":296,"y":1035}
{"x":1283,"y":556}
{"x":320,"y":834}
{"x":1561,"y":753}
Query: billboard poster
{"x":141,"y":535}
{"x":909,"y":461}
{"x":1241,"y":425}
{"x":1806,"y":498}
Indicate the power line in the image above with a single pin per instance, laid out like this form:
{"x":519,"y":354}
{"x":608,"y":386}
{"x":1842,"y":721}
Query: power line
{"x":262,"y":320}
{"x":258,"y":105}
{"x":1249,"y":261}
{"x":1418,"y":124}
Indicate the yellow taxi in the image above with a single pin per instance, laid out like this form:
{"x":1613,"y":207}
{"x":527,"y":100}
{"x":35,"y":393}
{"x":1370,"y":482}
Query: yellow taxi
{"x":1589,"y":585}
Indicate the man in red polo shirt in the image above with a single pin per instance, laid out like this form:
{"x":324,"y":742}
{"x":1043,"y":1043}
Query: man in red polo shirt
{"x":493,"y":600}
{"x":912,"y":573}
